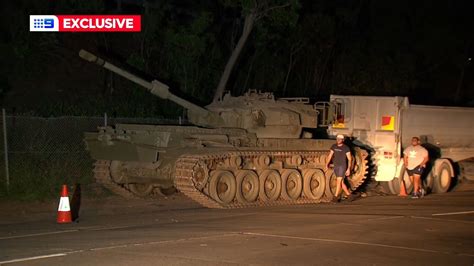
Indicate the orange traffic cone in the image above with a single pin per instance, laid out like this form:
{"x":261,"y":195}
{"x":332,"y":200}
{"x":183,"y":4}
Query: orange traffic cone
{"x":64,"y":210}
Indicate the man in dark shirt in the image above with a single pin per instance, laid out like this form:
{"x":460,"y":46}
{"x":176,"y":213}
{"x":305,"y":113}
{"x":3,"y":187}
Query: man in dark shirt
{"x":342,"y":159}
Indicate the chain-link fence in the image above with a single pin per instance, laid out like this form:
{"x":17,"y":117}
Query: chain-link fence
{"x":44,"y":153}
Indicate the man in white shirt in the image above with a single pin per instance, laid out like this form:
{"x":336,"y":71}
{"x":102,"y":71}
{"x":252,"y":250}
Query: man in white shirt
{"x":415,"y":158}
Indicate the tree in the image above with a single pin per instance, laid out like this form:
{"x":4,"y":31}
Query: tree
{"x":254,"y":12}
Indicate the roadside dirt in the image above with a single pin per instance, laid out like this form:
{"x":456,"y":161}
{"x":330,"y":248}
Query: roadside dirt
{"x":92,"y":199}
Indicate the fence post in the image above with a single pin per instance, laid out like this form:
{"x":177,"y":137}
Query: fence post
{"x":5,"y":144}
{"x":105,"y":119}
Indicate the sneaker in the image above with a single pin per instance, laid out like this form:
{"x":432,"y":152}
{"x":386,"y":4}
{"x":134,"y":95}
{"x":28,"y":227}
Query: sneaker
{"x":422,"y":192}
{"x":415,"y":196}
{"x":347,"y":197}
{"x":351,"y":197}
{"x":335,"y":199}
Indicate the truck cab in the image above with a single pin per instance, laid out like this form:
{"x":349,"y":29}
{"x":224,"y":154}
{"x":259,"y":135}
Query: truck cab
{"x":374,"y":123}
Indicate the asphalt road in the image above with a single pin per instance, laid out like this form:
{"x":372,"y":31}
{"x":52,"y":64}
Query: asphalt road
{"x":435,"y":230}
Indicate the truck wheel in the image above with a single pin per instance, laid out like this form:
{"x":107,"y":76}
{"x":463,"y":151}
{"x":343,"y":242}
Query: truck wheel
{"x":467,"y":170}
{"x":394,"y":185}
{"x":428,"y":182}
{"x":442,"y":181}
{"x":385,"y":187}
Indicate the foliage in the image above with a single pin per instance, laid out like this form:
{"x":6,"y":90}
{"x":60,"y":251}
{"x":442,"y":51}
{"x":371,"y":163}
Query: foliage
{"x":34,"y":177}
{"x":309,"y":48}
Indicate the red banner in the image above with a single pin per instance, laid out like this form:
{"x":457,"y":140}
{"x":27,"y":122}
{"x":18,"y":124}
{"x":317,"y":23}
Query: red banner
{"x":102,"y":23}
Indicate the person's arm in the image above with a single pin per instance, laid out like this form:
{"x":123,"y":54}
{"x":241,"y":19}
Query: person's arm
{"x":331,"y":153}
{"x":349,"y":161}
{"x":426,"y":158}
{"x":405,"y":160}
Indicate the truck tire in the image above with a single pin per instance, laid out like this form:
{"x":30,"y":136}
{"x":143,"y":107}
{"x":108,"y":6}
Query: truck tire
{"x":385,"y":187}
{"x":442,"y":180}
{"x":467,"y":170}
{"x":394,"y":185}
{"x":428,"y":182}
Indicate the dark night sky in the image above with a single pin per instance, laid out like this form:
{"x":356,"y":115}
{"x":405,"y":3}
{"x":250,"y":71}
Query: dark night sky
{"x":420,"y":49}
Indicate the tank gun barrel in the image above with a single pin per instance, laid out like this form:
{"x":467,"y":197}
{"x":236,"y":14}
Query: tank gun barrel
{"x":197,"y":114}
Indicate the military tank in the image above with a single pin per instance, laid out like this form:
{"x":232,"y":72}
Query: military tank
{"x":249,"y":150}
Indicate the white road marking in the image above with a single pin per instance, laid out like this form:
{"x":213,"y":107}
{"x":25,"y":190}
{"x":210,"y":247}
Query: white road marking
{"x":118,"y":246}
{"x":154,"y":242}
{"x":39,"y":234}
{"x":452,"y":213}
{"x":442,"y":220}
{"x":90,"y":228}
{"x":352,"y":243}
{"x":385,"y":218}
{"x":112,"y":228}
{"x":33,"y":258}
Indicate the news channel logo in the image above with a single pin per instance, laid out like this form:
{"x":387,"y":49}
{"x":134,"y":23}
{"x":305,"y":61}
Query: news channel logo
{"x":44,"y":23}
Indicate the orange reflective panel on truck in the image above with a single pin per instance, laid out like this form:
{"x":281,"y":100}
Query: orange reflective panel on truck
{"x":388,"y":123}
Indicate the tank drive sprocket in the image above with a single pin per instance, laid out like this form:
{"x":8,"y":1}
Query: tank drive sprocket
{"x":360,"y":170}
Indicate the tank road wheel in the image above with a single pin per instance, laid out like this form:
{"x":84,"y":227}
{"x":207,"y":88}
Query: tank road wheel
{"x":442,"y":181}
{"x":270,"y":185}
{"x":263,"y":161}
{"x":292,"y":184}
{"x":295,"y":160}
{"x":200,"y":175}
{"x":247,"y":186}
{"x":167,"y":191}
{"x":116,"y":172}
{"x":222,"y":186}
{"x":314,"y":183}
{"x":234,"y":161}
{"x":141,"y":190}
{"x":331,"y":182}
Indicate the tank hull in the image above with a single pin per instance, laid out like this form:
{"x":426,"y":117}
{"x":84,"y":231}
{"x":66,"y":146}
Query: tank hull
{"x":139,"y":160}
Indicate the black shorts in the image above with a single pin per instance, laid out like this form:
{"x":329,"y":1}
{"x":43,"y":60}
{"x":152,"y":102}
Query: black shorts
{"x":340,"y":171}
{"x":416,"y":171}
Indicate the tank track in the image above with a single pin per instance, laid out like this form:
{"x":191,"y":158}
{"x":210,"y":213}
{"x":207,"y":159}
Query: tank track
{"x":361,"y":167}
{"x":102,"y":176}
{"x":186,"y":182}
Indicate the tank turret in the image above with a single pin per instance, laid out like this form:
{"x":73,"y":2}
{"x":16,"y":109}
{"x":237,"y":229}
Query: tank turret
{"x":196,"y":114}
{"x":267,"y":116}
{"x":256,"y":112}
